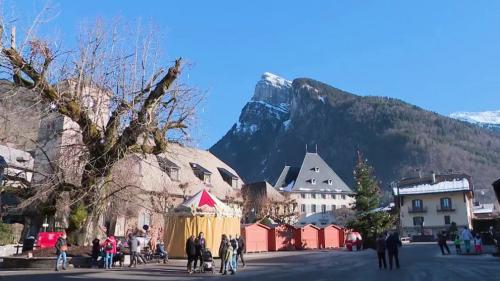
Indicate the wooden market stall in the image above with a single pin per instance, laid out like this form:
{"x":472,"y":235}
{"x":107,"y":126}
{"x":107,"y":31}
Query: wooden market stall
{"x":307,"y":237}
{"x":256,"y":237}
{"x":329,"y":236}
{"x":282,"y":237}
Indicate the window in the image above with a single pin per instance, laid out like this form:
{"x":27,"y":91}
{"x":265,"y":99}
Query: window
{"x":323,"y":208}
{"x":328,"y":196}
{"x":447,"y":220}
{"x":302,"y":195}
{"x":342,"y":196}
{"x":334,"y":196}
{"x":144,"y":219}
{"x":323,"y":196}
{"x":330,"y":182}
{"x":303,"y":208}
{"x":334,"y":207}
{"x":416,"y":204}
{"x":418,"y":221}
{"x":313,"y":181}
{"x":206,"y":178}
{"x":173,"y":174}
{"x":308,"y":195}
{"x":445,"y":203}
{"x":343,"y":206}
{"x":316,"y":169}
{"x":313,"y":208}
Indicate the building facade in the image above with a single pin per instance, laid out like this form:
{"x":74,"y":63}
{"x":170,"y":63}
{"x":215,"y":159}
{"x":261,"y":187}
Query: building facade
{"x":430,"y":204}
{"x":317,"y":190}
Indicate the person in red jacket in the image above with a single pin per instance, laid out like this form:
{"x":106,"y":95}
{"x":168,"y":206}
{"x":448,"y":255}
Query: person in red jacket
{"x":110,"y":249}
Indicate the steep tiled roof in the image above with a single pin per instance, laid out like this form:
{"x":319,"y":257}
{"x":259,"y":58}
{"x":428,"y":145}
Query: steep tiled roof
{"x":314,"y":175}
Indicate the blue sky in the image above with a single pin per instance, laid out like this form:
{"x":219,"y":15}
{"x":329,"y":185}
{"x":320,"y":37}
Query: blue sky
{"x":440,"y":55}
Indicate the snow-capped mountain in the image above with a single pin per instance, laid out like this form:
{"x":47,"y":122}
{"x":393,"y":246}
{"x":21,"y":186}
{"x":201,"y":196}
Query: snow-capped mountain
{"x":284,"y":117}
{"x":484,"y":119}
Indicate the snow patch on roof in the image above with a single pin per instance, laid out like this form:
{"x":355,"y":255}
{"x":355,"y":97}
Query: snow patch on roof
{"x":485,"y":117}
{"x":484,"y":209}
{"x":445,"y":186}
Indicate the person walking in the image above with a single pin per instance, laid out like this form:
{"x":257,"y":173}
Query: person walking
{"x":442,"y":242}
{"x":141,"y":243}
{"x":191,"y":253}
{"x":200,"y":248}
{"x":160,"y":250}
{"x":457,"y":243}
{"x":358,"y":244}
{"x":229,"y":258}
{"x":393,"y":243}
{"x":234,"y":261}
{"x":222,"y":252}
{"x":61,"y":249}
{"x":133,"y":244}
{"x":241,"y":250}
{"x":381,"y":247}
{"x":109,"y":246}
{"x":466,"y":236}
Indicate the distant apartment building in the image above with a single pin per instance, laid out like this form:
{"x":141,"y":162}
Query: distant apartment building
{"x":317,"y":190}
{"x":432,"y":203}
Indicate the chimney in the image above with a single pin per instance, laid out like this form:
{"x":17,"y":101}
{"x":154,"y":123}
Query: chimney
{"x":433,"y":177}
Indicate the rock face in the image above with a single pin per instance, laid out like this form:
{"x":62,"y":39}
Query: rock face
{"x":284,"y":117}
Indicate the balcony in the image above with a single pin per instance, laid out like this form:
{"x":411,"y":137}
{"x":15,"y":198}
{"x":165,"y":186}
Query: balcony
{"x":444,"y":209}
{"x":413,"y":209}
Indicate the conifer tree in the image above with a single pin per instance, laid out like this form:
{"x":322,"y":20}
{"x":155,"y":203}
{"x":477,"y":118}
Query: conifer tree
{"x":368,"y":221}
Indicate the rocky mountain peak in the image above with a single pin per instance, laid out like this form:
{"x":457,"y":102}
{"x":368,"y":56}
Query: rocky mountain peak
{"x":273,"y":90}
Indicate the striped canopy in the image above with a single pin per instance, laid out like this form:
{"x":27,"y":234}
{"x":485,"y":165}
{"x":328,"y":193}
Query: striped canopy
{"x":204,"y":203}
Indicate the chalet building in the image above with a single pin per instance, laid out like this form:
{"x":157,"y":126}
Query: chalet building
{"x":432,"y":203}
{"x":317,"y":190}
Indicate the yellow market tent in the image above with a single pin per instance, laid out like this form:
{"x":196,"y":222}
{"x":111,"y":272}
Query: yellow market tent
{"x":201,"y":213}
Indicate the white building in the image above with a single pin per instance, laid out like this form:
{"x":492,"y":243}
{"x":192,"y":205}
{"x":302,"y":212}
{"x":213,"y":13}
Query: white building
{"x":316,"y":188}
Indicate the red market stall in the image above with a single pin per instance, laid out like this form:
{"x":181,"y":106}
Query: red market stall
{"x":329,"y":236}
{"x":256,"y":237}
{"x":307,"y":237}
{"x":282,"y":237}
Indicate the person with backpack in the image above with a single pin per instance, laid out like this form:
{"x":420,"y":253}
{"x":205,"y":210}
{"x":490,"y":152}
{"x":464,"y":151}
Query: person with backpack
{"x":241,"y":249}
{"x":61,"y":249}
{"x":381,"y":247}
{"x":222,"y":252}
{"x":109,"y":249}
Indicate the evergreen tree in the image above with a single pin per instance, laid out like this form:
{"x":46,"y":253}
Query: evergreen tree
{"x":368,"y":222}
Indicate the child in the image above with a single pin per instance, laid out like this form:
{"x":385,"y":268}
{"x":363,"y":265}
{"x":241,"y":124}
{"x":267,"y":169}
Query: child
{"x":457,"y":243}
{"x":478,"y":244}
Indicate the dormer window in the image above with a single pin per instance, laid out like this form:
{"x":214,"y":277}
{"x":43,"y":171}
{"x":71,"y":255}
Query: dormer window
{"x":316,"y":169}
{"x":313,"y":181}
{"x":330,"y":182}
{"x":168,"y":167}
{"x":228,"y":177}
{"x":202,"y":173}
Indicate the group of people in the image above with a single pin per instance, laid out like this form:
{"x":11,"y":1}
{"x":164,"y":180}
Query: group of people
{"x":230,"y":251}
{"x":111,"y":251}
{"x":466,"y":237}
{"x":390,"y":243}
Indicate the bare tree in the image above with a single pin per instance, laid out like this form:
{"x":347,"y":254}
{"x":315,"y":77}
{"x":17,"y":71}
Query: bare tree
{"x":114,"y":94}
